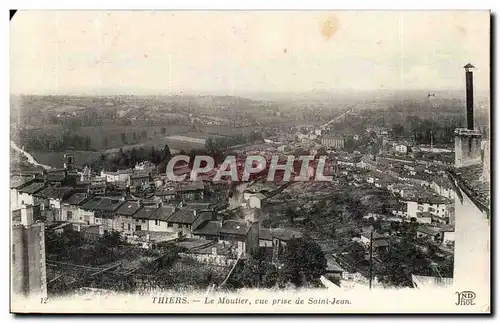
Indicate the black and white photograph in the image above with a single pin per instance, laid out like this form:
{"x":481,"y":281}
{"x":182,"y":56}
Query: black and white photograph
{"x":173,"y":161}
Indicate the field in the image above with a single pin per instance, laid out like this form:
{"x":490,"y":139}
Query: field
{"x":55,"y":159}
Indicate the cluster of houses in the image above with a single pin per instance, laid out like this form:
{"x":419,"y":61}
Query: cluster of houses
{"x":177,"y":213}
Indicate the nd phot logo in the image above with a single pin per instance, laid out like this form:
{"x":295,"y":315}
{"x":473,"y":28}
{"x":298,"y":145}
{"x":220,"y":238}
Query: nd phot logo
{"x":465,"y":298}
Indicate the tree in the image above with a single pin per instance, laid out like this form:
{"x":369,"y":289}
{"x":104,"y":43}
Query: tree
{"x":303,"y":261}
{"x":357,"y":251}
{"x":166,"y":153}
{"x":401,"y":261}
{"x":398,"y":130}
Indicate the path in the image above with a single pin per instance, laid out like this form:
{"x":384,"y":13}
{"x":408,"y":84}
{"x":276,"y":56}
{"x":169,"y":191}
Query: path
{"x":30,"y":158}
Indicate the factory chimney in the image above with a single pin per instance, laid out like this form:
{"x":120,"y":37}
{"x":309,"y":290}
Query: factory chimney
{"x":469,"y":94}
{"x":468,"y":140}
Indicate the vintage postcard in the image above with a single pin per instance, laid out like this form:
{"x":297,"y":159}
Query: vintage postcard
{"x":250,"y":161}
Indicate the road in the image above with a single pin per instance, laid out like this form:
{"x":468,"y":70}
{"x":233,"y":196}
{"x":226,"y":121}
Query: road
{"x":339,"y":117}
{"x":30,"y":158}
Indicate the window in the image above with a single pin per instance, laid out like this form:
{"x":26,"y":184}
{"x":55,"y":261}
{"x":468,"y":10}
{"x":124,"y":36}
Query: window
{"x":96,"y":220}
{"x":129,"y":227}
{"x":13,"y":253}
{"x":157,"y":222}
{"x":143,"y":221}
{"x":170,"y":224}
{"x":123,"y":226}
{"x":69,"y":215}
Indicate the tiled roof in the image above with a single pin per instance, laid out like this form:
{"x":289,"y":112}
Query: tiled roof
{"x":286,"y":234}
{"x":200,"y":205}
{"x":145,"y":213}
{"x":428,"y":230}
{"x":235,"y":227}
{"x":332,"y":265}
{"x":164,"y":192}
{"x":184,"y":215}
{"x":220,"y":248}
{"x":54,"y":192}
{"x":194,"y":244}
{"x":163,"y":213}
{"x":91,"y":204}
{"x":208,"y":228}
{"x":380,"y":243}
{"x":469,"y":179}
{"x":18,"y":181}
{"x":76,"y":199}
{"x":32,"y":188}
{"x":193,"y":186}
{"x":109,"y":204}
{"x":129,"y":208}
{"x":265,"y":234}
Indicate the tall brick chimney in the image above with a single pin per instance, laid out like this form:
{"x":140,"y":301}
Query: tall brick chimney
{"x":469,"y":94}
{"x":468,"y":140}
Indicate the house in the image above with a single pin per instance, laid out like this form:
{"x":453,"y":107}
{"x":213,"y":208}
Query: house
{"x":448,"y":233}
{"x":187,"y":219}
{"x":139,"y":180}
{"x":265,"y":238}
{"x":122,"y":175}
{"x":206,"y":251}
{"x":212,"y":254}
{"x":436,"y":205}
{"x":380,"y":244}
{"x":142,"y":216}
{"x":280,"y":238}
{"x":124,"y":220}
{"x":282,"y":148}
{"x":70,"y":207}
{"x":26,"y":192}
{"x":56,"y":177}
{"x":379,"y":241}
{"x":17,"y":182}
{"x":238,"y":233}
{"x":402,"y":149}
{"x":336,"y":142}
{"x":104,"y":213}
{"x":255,"y":200}
{"x":50,"y":199}
{"x":333,"y":270}
{"x":366,"y":235}
{"x":424,"y":217}
{"x":97,"y":186}
{"x":158,"y":220}
{"x":87,"y":209}
{"x":208,"y":230}
{"x":166,"y":194}
{"x":146,"y":166}
{"x":428,"y":232}
{"x":26,"y":214}
{"x":191,"y":191}
{"x":443,"y":187}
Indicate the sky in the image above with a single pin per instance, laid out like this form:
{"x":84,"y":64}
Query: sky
{"x":233,"y":53}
